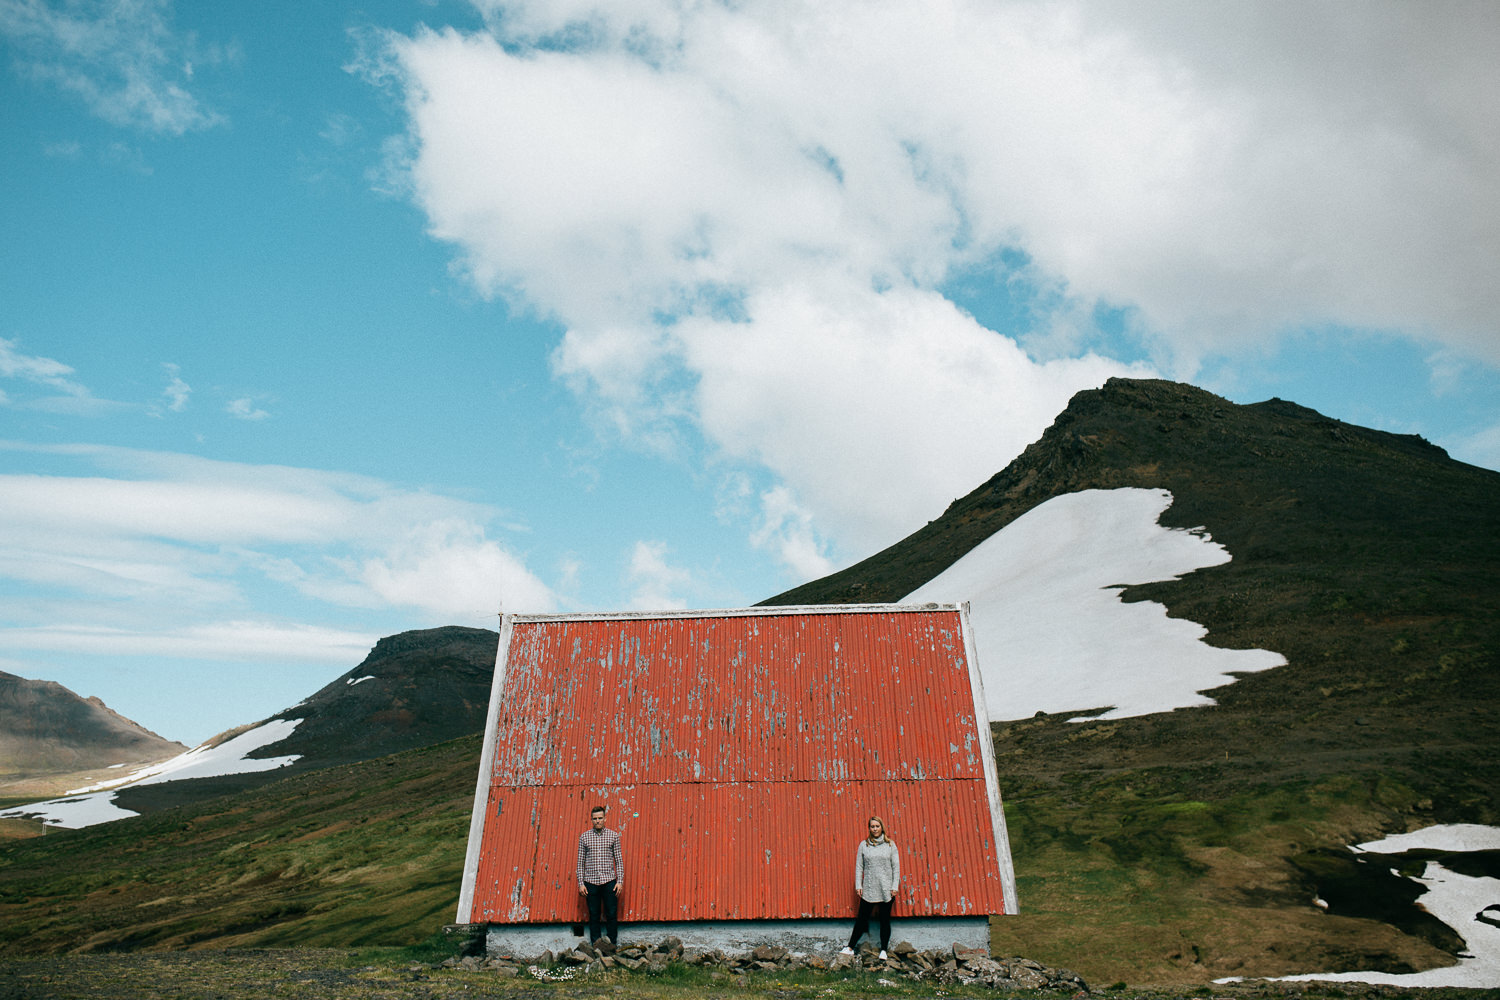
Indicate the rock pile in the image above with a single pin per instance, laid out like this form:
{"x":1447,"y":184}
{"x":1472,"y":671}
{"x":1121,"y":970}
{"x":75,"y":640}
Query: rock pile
{"x":960,"y":964}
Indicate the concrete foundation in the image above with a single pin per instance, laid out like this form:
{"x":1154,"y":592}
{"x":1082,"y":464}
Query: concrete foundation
{"x":800,"y":937}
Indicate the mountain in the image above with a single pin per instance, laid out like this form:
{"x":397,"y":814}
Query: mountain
{"x":1170,"y":846}
{"x":1211,"y":841}
{"x":413,"y":690}
{"x":45,"y":730}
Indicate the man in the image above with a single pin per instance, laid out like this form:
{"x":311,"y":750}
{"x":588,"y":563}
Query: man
{"x":601,"y":874}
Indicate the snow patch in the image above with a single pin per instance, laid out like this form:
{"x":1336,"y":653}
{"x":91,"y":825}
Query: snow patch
{"x":1051,"y":632}
{"x":72,"y":813}
{"x":359,"y":680}
{"x":1448,"y":837}
{"x":95,"y":804}
{"x":1457,"y":900}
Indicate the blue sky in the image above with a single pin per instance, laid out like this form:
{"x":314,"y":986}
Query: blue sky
{"x":323,"y":322}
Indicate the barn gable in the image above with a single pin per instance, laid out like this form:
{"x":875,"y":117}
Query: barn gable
{"x":739,"y":754}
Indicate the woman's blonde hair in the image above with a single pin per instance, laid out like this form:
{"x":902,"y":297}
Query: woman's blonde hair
{"x":884,"y":831}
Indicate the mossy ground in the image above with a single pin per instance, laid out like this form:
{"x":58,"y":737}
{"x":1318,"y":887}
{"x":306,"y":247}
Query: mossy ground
{"x":368,"y":974}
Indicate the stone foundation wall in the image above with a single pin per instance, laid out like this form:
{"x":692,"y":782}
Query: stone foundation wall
{"x":797,"y":937}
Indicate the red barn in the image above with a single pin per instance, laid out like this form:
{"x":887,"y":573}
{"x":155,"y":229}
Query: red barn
{"x":740,"y":754}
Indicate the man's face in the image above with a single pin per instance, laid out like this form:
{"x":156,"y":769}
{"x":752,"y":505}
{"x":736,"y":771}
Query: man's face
{"x":598,"y":819}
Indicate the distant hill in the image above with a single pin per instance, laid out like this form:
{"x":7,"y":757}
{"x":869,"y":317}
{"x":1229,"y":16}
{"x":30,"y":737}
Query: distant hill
{"x":45,"y":729}
{"x":414,"y":689}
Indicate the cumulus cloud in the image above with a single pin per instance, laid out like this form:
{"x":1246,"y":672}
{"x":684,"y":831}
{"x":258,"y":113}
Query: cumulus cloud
{"x":448,"y":567}
{"x":124,"y":60}
{"x":245,"y":408}
{"x":748,"y":216}
{"x":786,"y":528}
{"x":877,"y":409}
{"x":175,"y":396}
{"x":654,"y":582}
{"x":189,"y":544}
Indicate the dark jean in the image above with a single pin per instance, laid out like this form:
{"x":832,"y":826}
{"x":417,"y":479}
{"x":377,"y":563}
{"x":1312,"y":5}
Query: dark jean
{"x":603,"y":897}
{"x":881,"y":912}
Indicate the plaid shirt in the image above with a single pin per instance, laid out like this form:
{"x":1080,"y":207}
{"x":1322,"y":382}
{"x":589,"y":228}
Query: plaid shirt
{"x":599,"y":857}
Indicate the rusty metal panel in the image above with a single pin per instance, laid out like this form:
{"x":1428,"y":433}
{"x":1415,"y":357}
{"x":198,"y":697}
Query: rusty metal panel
{"x":740,"y":757}
{"x":738,"y":851}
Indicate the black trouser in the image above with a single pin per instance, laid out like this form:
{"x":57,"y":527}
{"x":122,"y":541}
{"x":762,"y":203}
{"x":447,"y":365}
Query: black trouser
{"x":603,"y":897}
{"x":882,"y":912}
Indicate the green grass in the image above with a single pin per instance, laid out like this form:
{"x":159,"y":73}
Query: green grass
{"x":361,"y":854}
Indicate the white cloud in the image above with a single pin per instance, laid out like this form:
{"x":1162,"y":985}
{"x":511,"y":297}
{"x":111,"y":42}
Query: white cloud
{"x":171,"y":550}
{"x":37,"y":370}
{"x":246,"y":641}
{"x":877,"y":409}
{"x":1481,"y":448}
{"x":60,"y":393}
{"x":787,"y":529}
{"x":1223,"y":174}
{"x":123,"y":60}
{"x":450,"y":569}
{"x":656,"y":584}
{"x":745,"y":215}
{"x":245,"y":408}
{"x":177,"y":393}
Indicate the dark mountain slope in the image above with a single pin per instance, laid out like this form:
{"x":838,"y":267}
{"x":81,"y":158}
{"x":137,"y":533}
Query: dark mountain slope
{"x":415,"y":689}
{"x":47,"y":729}
{"x":1369,"y":560}
{"x":1278,"y":480}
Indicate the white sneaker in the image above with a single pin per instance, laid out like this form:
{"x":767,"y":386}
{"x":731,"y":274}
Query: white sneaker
{"x":882,"y":956}
{"x":846,"y":951}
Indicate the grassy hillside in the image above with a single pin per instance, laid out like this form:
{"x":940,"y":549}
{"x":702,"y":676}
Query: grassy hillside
{"x":367,"y":853}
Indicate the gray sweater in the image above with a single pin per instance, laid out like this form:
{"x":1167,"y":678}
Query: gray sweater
{"x":877,"y":870}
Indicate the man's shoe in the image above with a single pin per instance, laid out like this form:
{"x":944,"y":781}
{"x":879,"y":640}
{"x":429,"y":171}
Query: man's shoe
{"x":882,"y":956}
{"x":846,"y":950}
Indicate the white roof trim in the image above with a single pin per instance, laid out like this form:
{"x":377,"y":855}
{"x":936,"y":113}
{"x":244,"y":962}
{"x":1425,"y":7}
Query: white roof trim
{"x":482,"y":785}
{"x":759,"y":611}
{"x":998,"y":829}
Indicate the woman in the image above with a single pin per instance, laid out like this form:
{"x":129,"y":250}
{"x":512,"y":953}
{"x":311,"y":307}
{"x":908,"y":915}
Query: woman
{"x":877,"y":873}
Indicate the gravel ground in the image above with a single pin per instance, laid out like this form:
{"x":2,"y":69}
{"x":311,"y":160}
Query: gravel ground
{"x":255,"y":974}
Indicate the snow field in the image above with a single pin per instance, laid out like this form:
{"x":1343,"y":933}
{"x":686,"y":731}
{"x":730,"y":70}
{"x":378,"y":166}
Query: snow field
{"x":95,"y":804}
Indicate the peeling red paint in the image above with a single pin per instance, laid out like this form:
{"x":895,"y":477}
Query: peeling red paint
{"x":740,"y":756}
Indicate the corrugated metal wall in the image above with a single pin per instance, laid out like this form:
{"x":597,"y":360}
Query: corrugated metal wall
{"x":740,"y":757}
